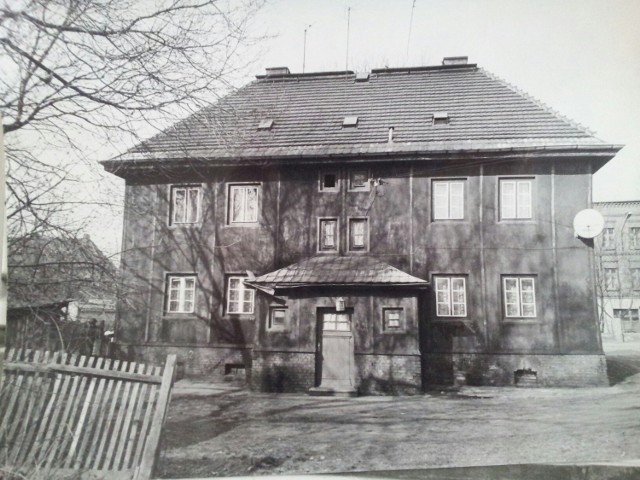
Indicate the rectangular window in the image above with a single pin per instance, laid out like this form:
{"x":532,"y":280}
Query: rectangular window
{"x":359,"y":181}
{"x":180,"y":293}
{"x":329,"y":182}
{"x":634,"y":238}
{"x":358,"y":234}
{"x":516,"y":198}
{"x":635,"y":278}
{"x":519,"y":297}
{"x":448,"y":200}
{"x":451,"y":297}
{"x":185,"y":204}
{"x":393,"y":319}
{"x":630,"y":319}
{"x":611,"y":279}
{"x":240,"y":298}
{"x":328,"y":235}
{"x":243,"y":203}
{"x":608,"y":238}
{"x":336,"y":322}
{"x":277,"y":318}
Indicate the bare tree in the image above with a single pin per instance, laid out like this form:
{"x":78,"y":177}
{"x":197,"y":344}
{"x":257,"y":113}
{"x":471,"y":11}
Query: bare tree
{"x":78,"y":77}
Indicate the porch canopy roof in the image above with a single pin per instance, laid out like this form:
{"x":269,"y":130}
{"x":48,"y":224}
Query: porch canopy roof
{"x":354,"y":270}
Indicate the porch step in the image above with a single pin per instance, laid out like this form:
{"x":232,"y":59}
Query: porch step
{"x":332,"y":392}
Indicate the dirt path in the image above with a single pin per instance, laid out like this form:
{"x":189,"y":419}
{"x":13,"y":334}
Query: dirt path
{"x":242,"y":433}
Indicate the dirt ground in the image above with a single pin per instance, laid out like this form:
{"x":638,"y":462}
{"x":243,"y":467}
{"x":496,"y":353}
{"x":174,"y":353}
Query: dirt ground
{"x":224,"y":433}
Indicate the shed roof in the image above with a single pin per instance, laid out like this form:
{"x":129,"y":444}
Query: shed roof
{"x":338,"y":270}
{"x":308,"y":111}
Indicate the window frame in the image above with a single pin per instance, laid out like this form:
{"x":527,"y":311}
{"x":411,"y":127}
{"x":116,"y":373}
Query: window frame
{"x":516,"y":198}
{"x":172,"y":203}
{"x":366,"y":187}
{"x":448,"y":183}
{"x":241,"y":300}
{"x":319,"y":239}
{"x":402,"y":326}
{"x":615,"y":283}
{"x":271,"y":327}
{"x":634,"y":274}
{"x":520,"y":293}
{"x":230,"y":203}
{"x":182,"y":277}
{"x":450,"y":303}
{"x":322,"y":188}
{"x":366,"y":234}
{"x":609,"y":237}
{"x":634,"y":237}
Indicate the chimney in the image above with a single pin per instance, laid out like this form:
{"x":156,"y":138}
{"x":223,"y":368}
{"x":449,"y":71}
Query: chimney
{"x":455,"y":60}
{"x":277,"y":71}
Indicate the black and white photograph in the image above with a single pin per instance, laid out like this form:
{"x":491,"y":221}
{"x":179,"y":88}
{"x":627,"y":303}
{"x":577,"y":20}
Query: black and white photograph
{"x":350,"y":238}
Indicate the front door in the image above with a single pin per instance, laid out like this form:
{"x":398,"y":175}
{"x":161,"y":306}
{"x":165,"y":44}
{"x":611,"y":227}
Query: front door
{"x":335,"y":365}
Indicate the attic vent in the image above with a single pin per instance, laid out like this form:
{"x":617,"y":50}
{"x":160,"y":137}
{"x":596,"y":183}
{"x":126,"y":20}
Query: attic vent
{"x":350,"y":121}
{"x":274,"y":71}
{"x":265,"y":124}
{"x":362,"y":76}
{"x":455,"y":60}
{"x":440,"y":118}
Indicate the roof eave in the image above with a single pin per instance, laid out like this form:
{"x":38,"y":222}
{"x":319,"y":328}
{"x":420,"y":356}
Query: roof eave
{"x":124,"y":164}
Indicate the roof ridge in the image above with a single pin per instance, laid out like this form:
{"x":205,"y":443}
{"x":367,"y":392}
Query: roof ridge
{"x":539,"y":103}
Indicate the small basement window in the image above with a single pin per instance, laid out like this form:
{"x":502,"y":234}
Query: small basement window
{"x":265,"y":124}
{"x":350,"y":121}
{"x":329,"y":182}
{"x":440,"y":118}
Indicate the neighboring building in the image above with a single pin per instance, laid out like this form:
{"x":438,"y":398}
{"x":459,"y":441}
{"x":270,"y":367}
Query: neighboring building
{"x":380,"y":232}
{"x":618,"y":271}
{"x":60,"y":291}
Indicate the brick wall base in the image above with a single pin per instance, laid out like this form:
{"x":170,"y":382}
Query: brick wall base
{"x":192,"y":361}
{"x":499,"y":369}
{"x":283,"y":371}
{"x":388,"y":374}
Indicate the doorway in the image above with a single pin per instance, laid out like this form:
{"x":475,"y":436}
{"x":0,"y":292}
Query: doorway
{"x":334,"y":350}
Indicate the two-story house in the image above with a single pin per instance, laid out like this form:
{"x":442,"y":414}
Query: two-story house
{"x":374,"y":232}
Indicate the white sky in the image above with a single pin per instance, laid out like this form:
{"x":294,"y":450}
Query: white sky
{"x":580,"y":57}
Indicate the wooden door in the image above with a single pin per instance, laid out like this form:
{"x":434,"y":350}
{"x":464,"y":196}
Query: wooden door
{"x":335,"y":362}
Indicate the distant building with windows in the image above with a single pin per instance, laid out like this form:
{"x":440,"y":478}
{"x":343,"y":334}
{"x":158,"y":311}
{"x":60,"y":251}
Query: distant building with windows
{"x":618,"y":271}
{"x":386,"y":231}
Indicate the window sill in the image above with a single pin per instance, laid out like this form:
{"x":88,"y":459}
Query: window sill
{"x":239,"y":316}
{"x":522,"y":321}
{"x":179,"y":316}
{"x":243,"y":225}
{"x":394,"y":332}
{"x":184,"y":225}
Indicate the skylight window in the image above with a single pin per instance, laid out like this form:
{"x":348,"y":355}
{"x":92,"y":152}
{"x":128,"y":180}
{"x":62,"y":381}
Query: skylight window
{"x":350,"y":121}
{"x":265,"y":124}
{"x":440,"y":118}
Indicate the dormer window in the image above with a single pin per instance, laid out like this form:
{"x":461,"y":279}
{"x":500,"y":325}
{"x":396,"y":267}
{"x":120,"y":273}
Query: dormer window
{"x":265,"y":124}
{"x":350,"y":121}
{"x":440,"y":118}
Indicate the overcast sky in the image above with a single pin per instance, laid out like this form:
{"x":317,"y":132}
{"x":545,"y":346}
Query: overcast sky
{"x":580,"y":57}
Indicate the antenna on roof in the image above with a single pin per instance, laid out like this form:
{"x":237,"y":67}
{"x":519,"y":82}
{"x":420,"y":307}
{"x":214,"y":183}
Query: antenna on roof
{"x":413,"y":7}
{"x":348,"y":23}
{"x":304,"y":47}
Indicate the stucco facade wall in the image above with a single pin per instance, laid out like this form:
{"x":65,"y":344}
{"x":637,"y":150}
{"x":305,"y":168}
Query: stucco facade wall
{"x":482,"y":247}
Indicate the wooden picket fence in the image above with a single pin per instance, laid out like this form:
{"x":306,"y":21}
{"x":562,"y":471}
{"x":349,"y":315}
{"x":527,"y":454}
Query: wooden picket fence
{"x":70,"y":416}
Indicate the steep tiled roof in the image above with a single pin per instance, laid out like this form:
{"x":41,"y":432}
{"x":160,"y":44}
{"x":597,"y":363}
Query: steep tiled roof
{"x":308,"y":112}
{"x":338,"y":270}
